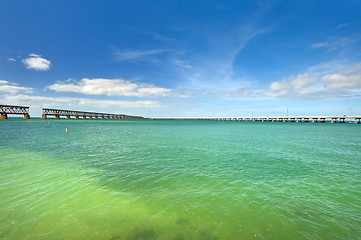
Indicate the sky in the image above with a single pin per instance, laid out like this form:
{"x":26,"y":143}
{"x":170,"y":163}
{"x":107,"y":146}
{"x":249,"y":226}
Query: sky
{"x":200,"y":58}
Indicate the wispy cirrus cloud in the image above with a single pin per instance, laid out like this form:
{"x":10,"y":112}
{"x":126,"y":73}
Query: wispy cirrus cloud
{"x":126,"y":55}
{"x":36,"y":62}
{"x":113,"y":87}
{"x":333,"y":45}
{"x":343,"y":25}
{"x":213,"y":61}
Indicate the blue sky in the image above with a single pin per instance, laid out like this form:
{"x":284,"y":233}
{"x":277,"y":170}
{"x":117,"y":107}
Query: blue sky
{"x":182,"y":58}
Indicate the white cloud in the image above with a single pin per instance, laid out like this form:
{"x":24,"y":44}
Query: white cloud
{"x":295,"y":87}
{"x":36,"y":62}
{"x":13,"y":88}
{"x":342,"y":83}
{"x":346,"y":79}
{"x":113,"y":87}
{"x":11,"y":59}
{"x":339,"y":83}
{"x":13,"y":94}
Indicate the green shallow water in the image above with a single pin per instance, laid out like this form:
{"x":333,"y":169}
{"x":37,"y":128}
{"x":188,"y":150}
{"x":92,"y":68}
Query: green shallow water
{"x":123,"y":179}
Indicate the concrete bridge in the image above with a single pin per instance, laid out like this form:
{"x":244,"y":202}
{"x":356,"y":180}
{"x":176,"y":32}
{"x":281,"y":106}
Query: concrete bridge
{"x":18,"y":110}
{"x":57,"y":113}
{"x":314,"y":119}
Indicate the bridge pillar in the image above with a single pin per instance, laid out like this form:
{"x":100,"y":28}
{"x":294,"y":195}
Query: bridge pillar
{"x":44,"y":116}
{"x":314,"y":120}
{"x":76,"y":117}
{"x":357,"y":120}
{"x":333,"y":120}
{"x":26,"y":116}
{"x":323,"y":120}
{"x":57,"y":116}
{"x":103,"y":117}
{"x":95,"y":117}
{"x":84,"y":117}
{"x":4,"y":116}
{"x":306,"y":119}
{"x":342,"y":120}
{"x":68,"y":117}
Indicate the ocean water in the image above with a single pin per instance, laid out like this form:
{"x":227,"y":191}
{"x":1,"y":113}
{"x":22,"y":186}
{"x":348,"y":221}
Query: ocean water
{"x":169,"y":179}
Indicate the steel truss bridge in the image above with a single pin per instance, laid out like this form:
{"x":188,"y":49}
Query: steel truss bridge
{"x":9,"y":109}
{"x":57,"y":113}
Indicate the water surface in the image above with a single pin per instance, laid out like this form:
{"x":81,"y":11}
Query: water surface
{"x":159,"y":179}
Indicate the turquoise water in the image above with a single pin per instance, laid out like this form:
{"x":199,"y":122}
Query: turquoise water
{"x":159,"y":179}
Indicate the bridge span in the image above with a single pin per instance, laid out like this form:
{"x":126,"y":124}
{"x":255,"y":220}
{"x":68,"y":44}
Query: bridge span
{"x":314,"y":119}
{"x":10,"y":109}
{"x":57,"y":113}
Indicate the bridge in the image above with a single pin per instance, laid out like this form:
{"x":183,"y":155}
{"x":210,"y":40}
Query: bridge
{"x":18,"y":110}
{"x":57,"y":113}
{"x":314,"y":119}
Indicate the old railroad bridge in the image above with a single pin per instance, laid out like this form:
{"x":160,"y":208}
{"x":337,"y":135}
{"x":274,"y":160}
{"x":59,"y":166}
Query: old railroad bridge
{"x":58,"y":113}
{"x":5,"y":110}
{"x":19,"y":110}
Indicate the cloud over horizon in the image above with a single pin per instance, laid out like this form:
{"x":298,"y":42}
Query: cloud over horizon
{"x":342,"y":83}
{"x":77,"y":102}
{"x":13,"y":88}
{"x":112,"y":87}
